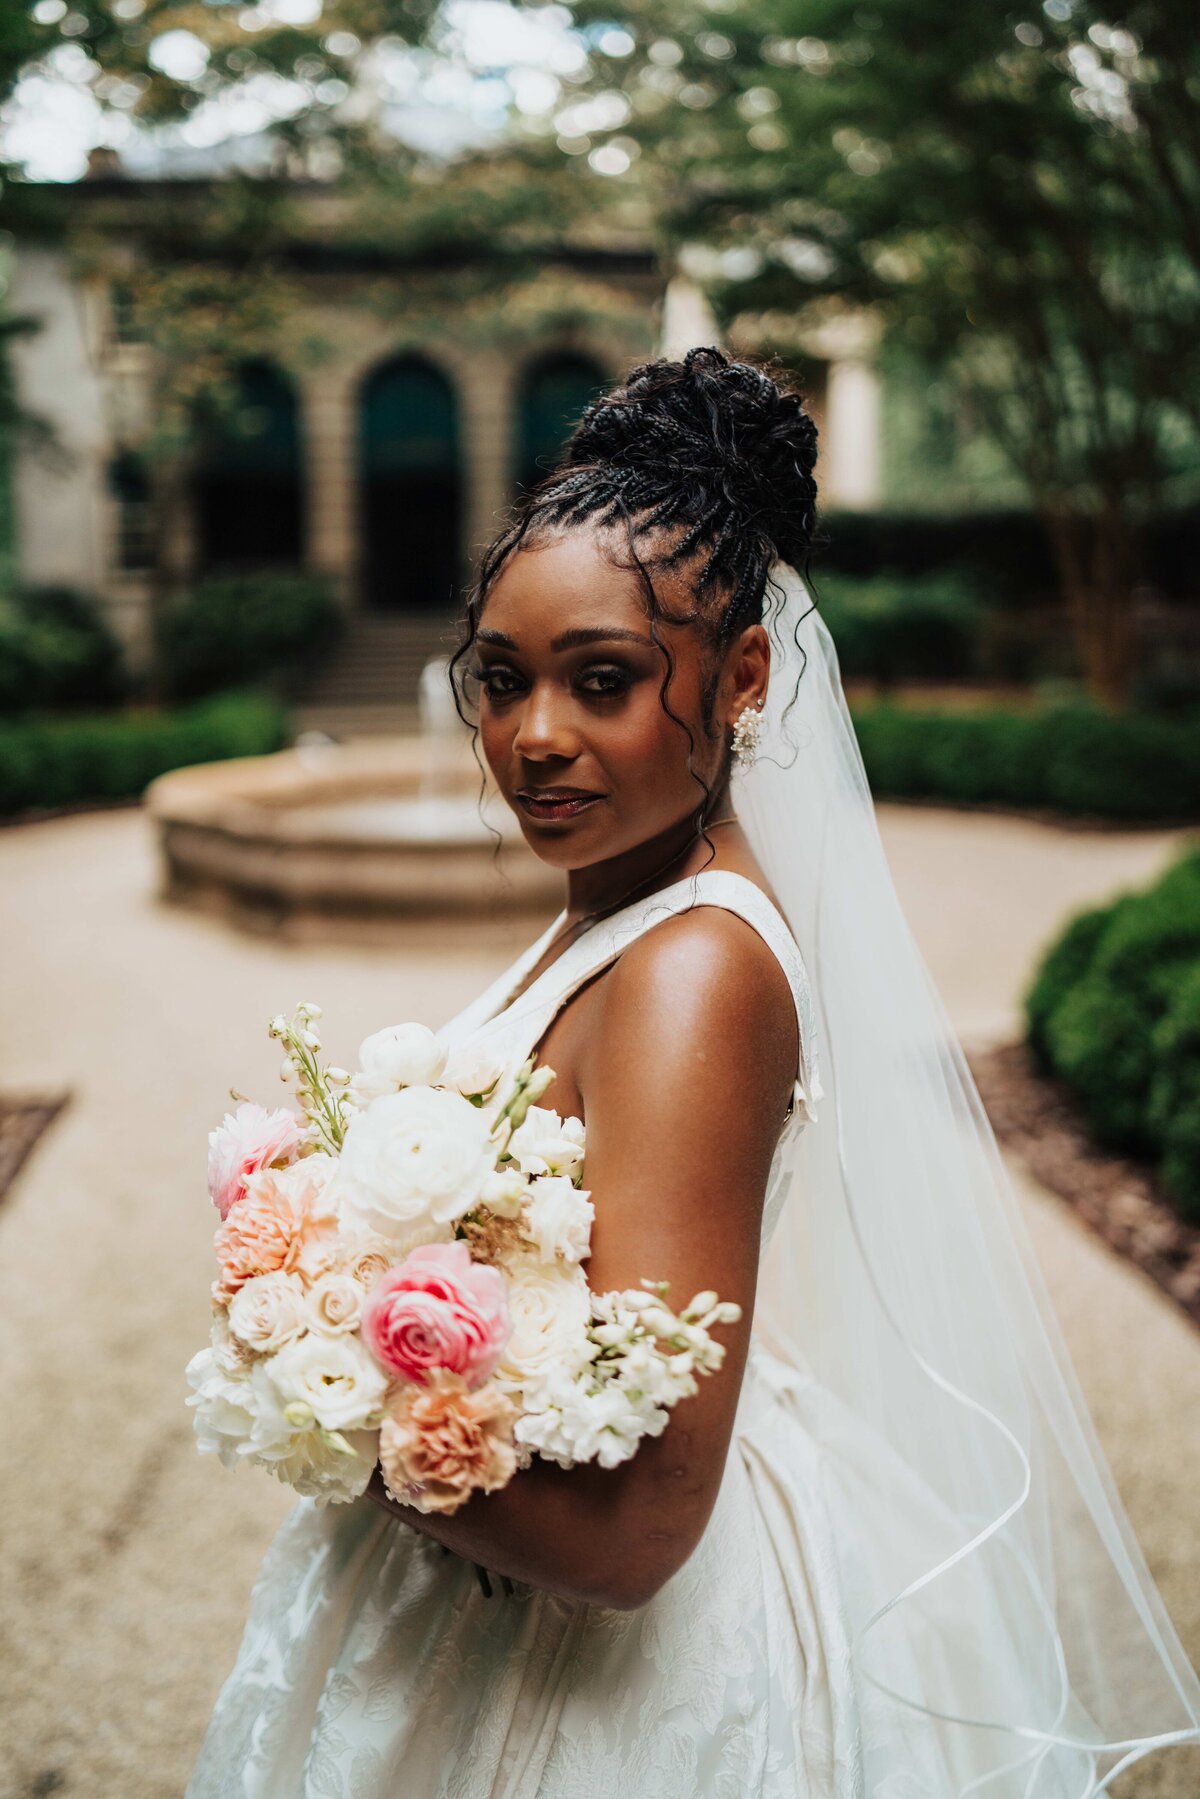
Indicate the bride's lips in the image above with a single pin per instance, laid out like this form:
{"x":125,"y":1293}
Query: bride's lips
{"x":555,"y":802}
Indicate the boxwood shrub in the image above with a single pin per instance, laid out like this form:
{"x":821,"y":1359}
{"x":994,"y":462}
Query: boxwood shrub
{"x":1114,"y":1011}
{"x":48,"y":762}
{"x":1076,"y":759}
{"x":264,"y":626}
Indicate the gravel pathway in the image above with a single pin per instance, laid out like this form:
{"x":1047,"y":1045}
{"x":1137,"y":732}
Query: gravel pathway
{"x":128,"y":1560}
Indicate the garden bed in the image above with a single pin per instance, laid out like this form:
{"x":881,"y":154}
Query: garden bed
{"x":1038,"y":1122}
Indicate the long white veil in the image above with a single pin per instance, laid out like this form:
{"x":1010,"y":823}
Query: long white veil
{"x":1004,"y":1623}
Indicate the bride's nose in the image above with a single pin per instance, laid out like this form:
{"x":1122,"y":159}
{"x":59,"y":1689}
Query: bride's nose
{"x":544,"y":731}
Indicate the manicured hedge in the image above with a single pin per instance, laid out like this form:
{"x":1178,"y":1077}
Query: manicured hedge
{"x":893,"y":628}
{"x":1074,"y":759}
{"x":56,"y":650}
{"x":267,"y":625}
{"x":63,"y":761}
{"x":1115,"y":1012}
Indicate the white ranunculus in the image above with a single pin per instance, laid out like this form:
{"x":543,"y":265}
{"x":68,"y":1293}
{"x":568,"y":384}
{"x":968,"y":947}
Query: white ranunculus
{"x":546,"y":1143}
{"x":268,"y":1311}
{"x":413,"y":1163}
{"x":559,"y":1218}
{"x":401,"y":1055}
{"x":333,"y":1377}
{"x":223,"y":1407}
{"x":549,"y":1307}
{"x":334,"y":1304}
{"x":473,"y":1070}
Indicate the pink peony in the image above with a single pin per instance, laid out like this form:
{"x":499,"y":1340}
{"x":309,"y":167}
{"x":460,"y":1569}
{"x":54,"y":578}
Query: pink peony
{"x":244,"y":1142}
{"x":437,"y":1309}
{"x":274,"y":1228}
{"x":439,"y":1445}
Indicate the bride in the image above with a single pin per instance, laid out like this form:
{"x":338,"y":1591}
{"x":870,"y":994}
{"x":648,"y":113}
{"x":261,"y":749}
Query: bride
{"x":880,"y":1553}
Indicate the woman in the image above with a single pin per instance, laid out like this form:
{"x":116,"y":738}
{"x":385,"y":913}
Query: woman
{"x":879,"y":1553}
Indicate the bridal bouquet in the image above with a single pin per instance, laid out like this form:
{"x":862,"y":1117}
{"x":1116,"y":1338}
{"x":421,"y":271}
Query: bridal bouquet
{"x":400,"y":1280}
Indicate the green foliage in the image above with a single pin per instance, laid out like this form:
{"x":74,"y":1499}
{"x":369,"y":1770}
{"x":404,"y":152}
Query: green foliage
{"x":1173,"y":1109}
{"x":62,"y":762}
{"x":56,"y":650}
{"x":1076,"y":759}
{"x":1114,"y":1011}
{"x":891,"y":629}
{"x":265,"y":626}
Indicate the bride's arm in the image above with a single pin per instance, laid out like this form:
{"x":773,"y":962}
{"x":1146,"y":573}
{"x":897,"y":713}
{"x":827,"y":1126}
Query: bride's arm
{"x":685,"y":1076}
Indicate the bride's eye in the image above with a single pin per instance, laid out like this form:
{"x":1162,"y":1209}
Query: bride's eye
{"x":498,"y":682}
{"x":607,"y":682}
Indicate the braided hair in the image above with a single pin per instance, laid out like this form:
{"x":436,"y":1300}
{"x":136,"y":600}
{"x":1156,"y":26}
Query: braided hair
{"x":706,"y":461}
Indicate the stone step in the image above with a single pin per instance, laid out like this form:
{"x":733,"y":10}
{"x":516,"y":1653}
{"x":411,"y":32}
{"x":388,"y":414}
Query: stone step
{"x":379,"y":661}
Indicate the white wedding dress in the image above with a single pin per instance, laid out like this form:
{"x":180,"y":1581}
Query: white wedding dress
{"x":374,"y":1667}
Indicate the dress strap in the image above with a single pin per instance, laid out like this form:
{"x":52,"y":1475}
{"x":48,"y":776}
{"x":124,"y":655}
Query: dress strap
{"x":526,"y":1021}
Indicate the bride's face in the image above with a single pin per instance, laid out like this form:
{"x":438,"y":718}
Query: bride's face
{"x":571,"y":712}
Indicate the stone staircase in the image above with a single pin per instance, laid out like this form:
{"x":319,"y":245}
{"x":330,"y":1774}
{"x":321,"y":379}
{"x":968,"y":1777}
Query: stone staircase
{"x":370,"y":684}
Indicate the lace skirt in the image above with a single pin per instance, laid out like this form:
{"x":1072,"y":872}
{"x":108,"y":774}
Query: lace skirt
{"x":374,"y":1667}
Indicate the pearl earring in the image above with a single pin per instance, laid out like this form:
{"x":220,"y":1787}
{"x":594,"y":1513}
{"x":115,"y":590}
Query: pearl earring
{"x":747,"y":728}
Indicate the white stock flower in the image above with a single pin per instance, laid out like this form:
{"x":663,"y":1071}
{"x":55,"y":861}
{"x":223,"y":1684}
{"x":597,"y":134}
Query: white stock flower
{"x":558,"y":1218}
{"x":504,"y":1191}
{"x":413,"y":1163}
{"x":582,"y":1425}
{"x":472,"y":1070}
{"x":267,"y":1311}
{"x":546,"y":1143}
{"x":548,"y":1306}
{"x":401,"y":1055}
{"x":334,"y":1304}
{"x":223,"y":1415}
{"x":332,"y":1378}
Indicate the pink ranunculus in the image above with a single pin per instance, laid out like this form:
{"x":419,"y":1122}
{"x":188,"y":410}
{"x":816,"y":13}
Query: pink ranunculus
{"x":243,"y":1143}
{"x":437,"y":1309}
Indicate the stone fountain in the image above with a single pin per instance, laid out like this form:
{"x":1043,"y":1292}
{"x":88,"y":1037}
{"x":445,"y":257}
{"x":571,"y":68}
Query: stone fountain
{"x":356,"y":839}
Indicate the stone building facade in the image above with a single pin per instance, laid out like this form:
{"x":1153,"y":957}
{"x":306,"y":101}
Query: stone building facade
{"x":383,"y":441}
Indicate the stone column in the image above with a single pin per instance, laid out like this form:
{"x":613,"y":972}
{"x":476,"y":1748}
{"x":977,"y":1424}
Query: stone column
{"x":850,"y":475}
{"x":330,"y":478}
{"x":485,"y":394}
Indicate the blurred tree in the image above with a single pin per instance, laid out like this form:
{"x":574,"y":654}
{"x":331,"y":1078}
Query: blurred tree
{"x":1015,"y":190}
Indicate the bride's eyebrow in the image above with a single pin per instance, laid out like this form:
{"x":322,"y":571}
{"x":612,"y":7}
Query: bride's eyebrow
{"x":573,"y":639}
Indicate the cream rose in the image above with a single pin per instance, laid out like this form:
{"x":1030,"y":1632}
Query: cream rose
{"x":401,"y":1055}
{"x":332,"y":1379}
{"x":268,"y":1311}
{"x":413,"y":1163}
{"x":558,"y":1219}
{"x":546,"y":1143}
{"x":549,"y":1307}
{"x":334,"y":1304}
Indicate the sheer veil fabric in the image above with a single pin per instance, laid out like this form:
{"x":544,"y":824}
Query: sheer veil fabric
{"x":1004,"y":1606}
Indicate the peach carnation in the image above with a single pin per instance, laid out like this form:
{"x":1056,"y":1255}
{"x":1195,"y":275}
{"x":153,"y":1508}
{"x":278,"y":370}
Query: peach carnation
{"x":274,"y":1228}
{"x":439,"y":1443}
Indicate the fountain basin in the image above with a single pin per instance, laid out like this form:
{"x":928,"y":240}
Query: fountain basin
{"x":345,"y":840}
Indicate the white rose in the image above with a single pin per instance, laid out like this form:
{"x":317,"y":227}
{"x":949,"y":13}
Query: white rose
{"x":413,"y":1163}
{"x":223,"y":1408}
{"x":401,"y":1055}
{"x":334,"y":1304}
{"x":549,"y":1307}
{"x":230,"y":1355}
{"x":332,"y":1378}
{"x":559,"y":1219}
{"x":546,"y":1143}
{"x":472,"y":1070}
{"x":268,"y":1311}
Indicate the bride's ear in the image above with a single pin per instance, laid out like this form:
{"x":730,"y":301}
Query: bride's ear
{"x":747,"y":672}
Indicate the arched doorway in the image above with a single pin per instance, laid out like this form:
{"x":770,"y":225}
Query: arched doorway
{"x":410,"y":486}
{"x":247,"y":484}
{"x":553,"y":393}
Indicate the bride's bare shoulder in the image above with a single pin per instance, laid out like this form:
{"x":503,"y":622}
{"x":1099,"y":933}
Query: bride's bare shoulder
{"x":700,"y":992}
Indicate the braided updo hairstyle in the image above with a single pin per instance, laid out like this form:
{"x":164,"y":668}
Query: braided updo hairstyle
{"x":705,"y":462}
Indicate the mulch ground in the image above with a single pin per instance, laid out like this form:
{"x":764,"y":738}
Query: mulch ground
{"x":22,"y":1121}
{"x":1038,"y":1122}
